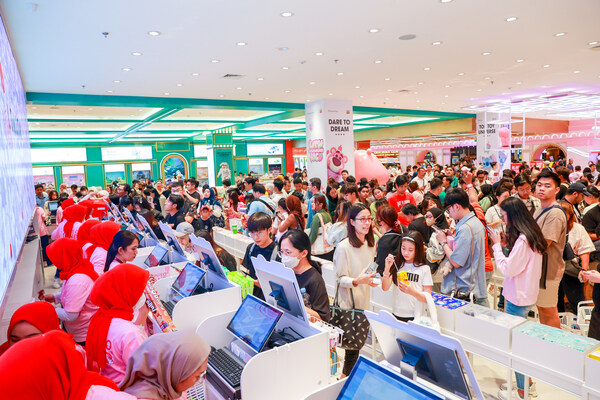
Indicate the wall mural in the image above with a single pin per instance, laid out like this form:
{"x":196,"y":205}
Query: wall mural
{"x":174,"y":167}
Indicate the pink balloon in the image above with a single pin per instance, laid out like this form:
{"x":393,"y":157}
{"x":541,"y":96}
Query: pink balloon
{"x":366,"y":165}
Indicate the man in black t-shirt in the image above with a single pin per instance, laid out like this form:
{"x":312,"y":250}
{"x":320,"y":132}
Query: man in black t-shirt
{"x":173,"y":207}
{"x":259,"y":226}
{"x":192,"y":197}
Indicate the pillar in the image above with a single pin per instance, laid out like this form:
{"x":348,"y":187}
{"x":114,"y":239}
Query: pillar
{"x":329,"y":139}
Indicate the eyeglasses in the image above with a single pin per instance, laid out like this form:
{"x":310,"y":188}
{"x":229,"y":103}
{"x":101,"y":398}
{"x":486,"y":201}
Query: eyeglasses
{"x":285,"y":253}
{"x":363,"y":220}
{"x":256,"y":233}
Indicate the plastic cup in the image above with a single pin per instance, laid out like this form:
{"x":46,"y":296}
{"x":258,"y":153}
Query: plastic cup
{"x":234,"y":228}
{"x":402,"y":277}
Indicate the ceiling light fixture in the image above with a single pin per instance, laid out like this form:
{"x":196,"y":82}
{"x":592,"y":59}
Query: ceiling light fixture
{"x":311,"y":83}
{"x":260,"y":79}
{"x":436,"y":43}
{"x":426,"y":69}
{"x":479,"y":90}
{"x":361,"y":96}
{"x":318,"y":53}
{"x":241,"y":43}
{"x":546,"y":65}
{"x":116,"y":81}
{"x":331,"y":94}
{"x":167,"y":93}
{"x":221,"y":95}
{"x":445,"y":1}
{"x":195,"y":74}
{"x":377,"y":61}
{"x":486,"y":53}
{"x":287,"y":91}
{"x":136,"y":53}
{"x":389,"y":90}
{"x":595,"y":42}
{"x":511,"y":19}
{"x":180,"y":84}
{"x":386,"y":79}
{"x":126,"y":69}
{"x":215,"y":61}
{"x":286,"y":68}
{"x":238,"y":88}
{"x":518,"y":83}
{"x":447,"y":86}
{"x":154,"y":33}
{"x":373,"y":30}
{"x":420,"y":83}
{"x":576,"y":72}
{"x":340,"y":73}
{"x":559,"y":34}
{"x":266,"y":98}
{"x":356,"y":87}
{"x":409,"y":36}
{"x":487,"y":78}
{"x":446,"y":96}
{"x":520,"y":60}
{"x":287,"y":14}
{"x":282,"y":48}
{"x":109,"y":91}
{"x":460,"y":73}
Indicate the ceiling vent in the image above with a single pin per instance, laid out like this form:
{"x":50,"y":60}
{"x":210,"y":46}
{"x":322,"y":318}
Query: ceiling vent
{"x":232,"y":76}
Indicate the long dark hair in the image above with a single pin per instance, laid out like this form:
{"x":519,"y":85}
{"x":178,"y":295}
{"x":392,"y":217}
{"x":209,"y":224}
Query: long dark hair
{"x":149,"y":217}
{"x":322,"y":200}
{"x":301,"y":242}
{"x":234,"y":197}
{"x":354,"y":240}
{"x":520,"y":221}
{"x":341,"y":211}
{"x":487,"y":190}
{"x":389,"y":215}
{"x":294,"y":206}
{"x":121,"y":240}
{"x":416,"y":238}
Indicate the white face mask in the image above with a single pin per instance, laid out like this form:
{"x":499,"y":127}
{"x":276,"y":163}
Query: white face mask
{"x":289,"y":261}
{"x":140,"y":303}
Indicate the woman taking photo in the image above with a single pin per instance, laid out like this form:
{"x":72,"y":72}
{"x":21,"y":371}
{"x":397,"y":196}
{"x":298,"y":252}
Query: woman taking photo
{"x":350,"y":261}
{"x":319,"y":222}
{"x":389,"y":242}
{"x":523,"y":266}
{"x":294,"y":250}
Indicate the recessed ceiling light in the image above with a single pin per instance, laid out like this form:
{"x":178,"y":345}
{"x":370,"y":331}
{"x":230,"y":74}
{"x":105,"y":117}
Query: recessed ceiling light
{"x":126,"y":69}
{"x":486,"y":53}
{"x":34,"y":108}
{"x":361,"y":96}
{"x":285,"y":68}
{"x":195,"y":74}
{"x":460,"y":73}
{"x":109,"y":91}
{"x":518,"y":83}
{"x":445,"y":1}
{"x":386,"y":79}
{"x":287,"y":14}
{"x":415,"y":93}
{"x":311,"y":83}
{"x":420,"y":83}
{"x":180,"y":84}
{"x":215,"y":61}
{"x":418,"y":101}
{"x":511,"y":19}
{"x":593,"y":43}
{"x":387,"y":98}
{"x":576,"y":72}
{"x":287,"y":91}
{"x":436,"y":43}
{"x":357,"y":87}
{"x":266,"y":98}
{"x":340,"y":73}
{"x":427,"y":69}
{"x":447,"y":86}
{"x":373,"y":30}
{"x":221,"y":95}
{"x":331,"y":94}
{"x":446,"y":96}
{"x":116,"y":81}
{"x":487,"y":78}
{"x":132,"y":115}
{"x":546,"y":65}
{"x":377,"y":61}
{"x":479,"y":90}
{"x":167,"y":93}
{"x":238,"y":88}
{"x":389,"y":90}
{"x":559,"y":34}
{"x":260,"y":79}
{"x":318,"y":53}
{"x":241,"y":43}
{"x":520,"y":60}
{"x":136,"y":53}
{"x":154,"y":33}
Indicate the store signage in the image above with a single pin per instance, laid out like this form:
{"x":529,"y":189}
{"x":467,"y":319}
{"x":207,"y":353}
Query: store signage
{"x":489,"y":146}
{"x":299,"y":151}
{"x":265,"y":148}
{"x":385,"y":154}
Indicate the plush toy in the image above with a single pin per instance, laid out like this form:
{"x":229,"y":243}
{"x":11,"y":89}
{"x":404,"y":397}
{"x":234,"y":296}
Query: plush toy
{"x":336,"y":161}
{"x":224,"y":172}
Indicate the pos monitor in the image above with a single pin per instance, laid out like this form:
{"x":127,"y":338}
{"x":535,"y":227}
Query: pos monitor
{"x":369,"y":380}
{"x":425,"y":355}
{"x":147,"y":228}
{"x":171,"y":238}
{"x":207,"y":256}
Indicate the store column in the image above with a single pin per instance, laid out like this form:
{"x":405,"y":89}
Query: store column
{"x":329,"y":139}
{"x":493,"y":139}
{"x":219,"y":148}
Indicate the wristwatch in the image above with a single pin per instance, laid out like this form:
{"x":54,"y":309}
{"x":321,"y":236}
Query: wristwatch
{"x":443,"y":244}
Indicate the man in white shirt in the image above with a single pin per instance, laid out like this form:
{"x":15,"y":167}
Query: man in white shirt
{"x":420,"y":179}
{"x":575,"y":176}
{"x":278,"y":191}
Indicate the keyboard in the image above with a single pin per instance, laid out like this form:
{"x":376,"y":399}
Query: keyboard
{"x":196,"y":392}
{"x":229,"y":367}
{"x":169,"y":306}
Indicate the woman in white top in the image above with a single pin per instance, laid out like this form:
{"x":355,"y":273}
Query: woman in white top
{"x":350,"y":261}
{"x":493,"y":215}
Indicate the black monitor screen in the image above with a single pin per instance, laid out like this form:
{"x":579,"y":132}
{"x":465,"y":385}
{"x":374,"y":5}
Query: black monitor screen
{"x":254,"y":322}
{"x":187,"y":281}
{"x":370,"y":381}
{"x":156,"y":256}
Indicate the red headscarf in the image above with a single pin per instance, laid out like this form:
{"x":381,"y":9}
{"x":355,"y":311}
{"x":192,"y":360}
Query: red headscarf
{"x":67,"y":255}
{"x":102,"y":235}
{"x":48,"y":366}
{"x":115,"y":293}
{"x":67,"y":203}
{"x":39,"y":314}
{"x":88,"y":204}
{"x":83,"y":234}
{"x":72,"y":214}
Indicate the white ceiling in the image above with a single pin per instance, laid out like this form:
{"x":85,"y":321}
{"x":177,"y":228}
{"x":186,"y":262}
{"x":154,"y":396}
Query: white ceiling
{"x":60,"y":48}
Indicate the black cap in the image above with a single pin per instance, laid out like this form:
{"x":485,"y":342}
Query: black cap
{"x":580,"y":188}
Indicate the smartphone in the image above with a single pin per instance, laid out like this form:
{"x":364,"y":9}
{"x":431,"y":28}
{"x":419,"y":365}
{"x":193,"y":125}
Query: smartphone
{"x":372,"y":267}
{"x":492,"y":229}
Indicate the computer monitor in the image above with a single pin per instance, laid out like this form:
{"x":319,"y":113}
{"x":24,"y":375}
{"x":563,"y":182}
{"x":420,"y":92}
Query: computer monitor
{"x":171,"y":238}
{"x":207,"y":255}
{"x":187,"y":282}
{"x":53,"y":206}
{"x":254,"y":322}
{"x":370,"y":380}
{"x":146,"y":227}
{"x":154,"y":259}
{"x":447,"y":372}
